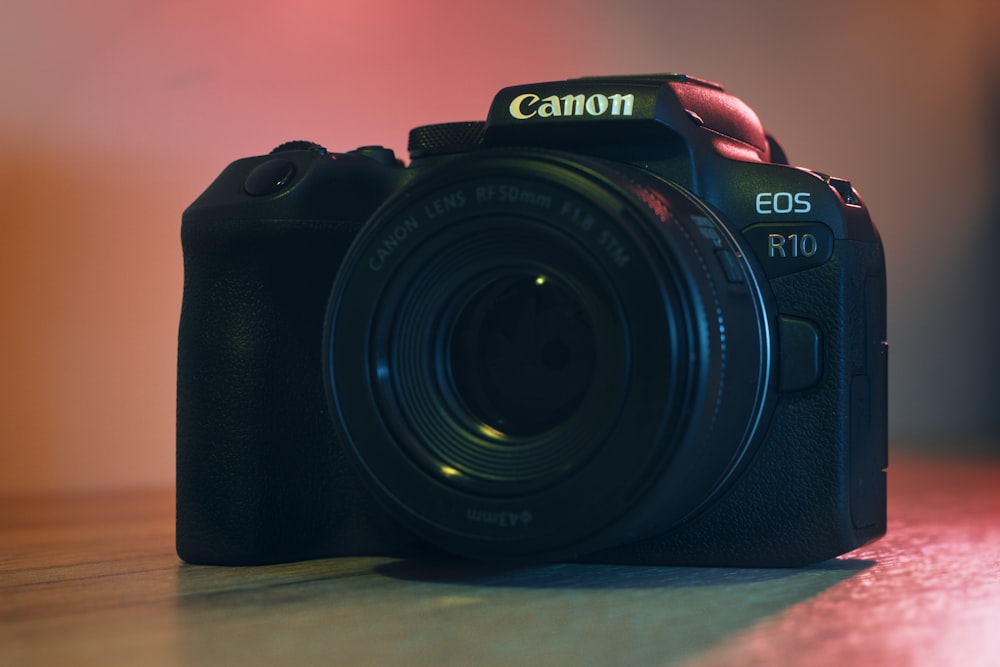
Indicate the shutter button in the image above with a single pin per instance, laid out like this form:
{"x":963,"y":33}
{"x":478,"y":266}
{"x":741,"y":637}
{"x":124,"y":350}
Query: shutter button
{"x":269,"y":177}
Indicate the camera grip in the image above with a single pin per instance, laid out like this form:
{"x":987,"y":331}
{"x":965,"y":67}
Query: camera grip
{"x":260,"y":477}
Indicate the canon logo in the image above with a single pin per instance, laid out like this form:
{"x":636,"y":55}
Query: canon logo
{"x":530,"y":105}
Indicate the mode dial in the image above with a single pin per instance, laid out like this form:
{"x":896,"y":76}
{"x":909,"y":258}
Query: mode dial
{"x":445,"y":138}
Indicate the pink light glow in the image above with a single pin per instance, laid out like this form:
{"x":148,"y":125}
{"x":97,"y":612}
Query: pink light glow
{"x":117,"y":114}
{"x":931,"y":596}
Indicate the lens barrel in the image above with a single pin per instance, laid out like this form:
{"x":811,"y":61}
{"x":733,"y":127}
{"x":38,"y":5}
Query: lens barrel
{"x":529,"y":355}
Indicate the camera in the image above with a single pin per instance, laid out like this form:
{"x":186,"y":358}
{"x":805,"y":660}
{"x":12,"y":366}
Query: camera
{"x":610,"y":323}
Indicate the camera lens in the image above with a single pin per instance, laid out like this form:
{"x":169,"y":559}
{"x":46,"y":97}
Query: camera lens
{"x":533,"y":354}
{"x":522,"y":354}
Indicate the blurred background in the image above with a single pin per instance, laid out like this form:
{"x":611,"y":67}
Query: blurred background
{"x":115,"y":115}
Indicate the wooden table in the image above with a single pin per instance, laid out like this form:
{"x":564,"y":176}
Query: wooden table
{"x":94,"y":580}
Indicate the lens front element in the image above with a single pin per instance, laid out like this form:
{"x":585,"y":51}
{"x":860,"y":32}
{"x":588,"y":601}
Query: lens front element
{"x":500,"y":355}
{"x":522,"y":355}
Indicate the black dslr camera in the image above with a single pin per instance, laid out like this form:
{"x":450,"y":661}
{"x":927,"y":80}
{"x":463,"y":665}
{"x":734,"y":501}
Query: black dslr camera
{"x":611,"y":323}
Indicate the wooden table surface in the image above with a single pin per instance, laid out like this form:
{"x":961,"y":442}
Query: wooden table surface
{"x":94,"y":580}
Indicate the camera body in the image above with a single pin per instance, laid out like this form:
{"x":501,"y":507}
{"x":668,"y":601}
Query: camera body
{"x":611,"y":324}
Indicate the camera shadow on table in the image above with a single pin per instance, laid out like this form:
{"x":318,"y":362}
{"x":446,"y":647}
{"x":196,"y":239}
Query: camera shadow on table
{"x":600,"y":576}
{"x":377,"y":611}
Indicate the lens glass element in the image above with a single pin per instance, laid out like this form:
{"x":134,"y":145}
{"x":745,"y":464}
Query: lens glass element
{"x":522,"y":354}
{"x":502,"y":361}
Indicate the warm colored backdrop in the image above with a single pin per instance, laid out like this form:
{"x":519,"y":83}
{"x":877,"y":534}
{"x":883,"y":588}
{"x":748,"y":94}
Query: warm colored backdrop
{"x":115,"y":114}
